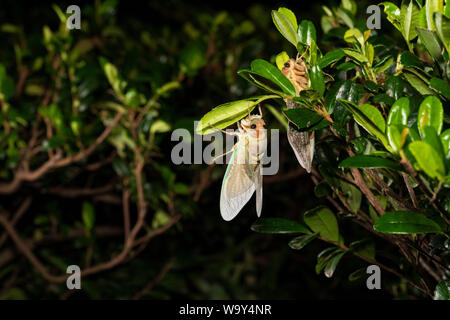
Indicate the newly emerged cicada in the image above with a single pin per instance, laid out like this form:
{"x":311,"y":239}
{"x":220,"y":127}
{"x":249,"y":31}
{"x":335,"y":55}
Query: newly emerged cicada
{"x":244,"y":172}
{"x":302,"y":143}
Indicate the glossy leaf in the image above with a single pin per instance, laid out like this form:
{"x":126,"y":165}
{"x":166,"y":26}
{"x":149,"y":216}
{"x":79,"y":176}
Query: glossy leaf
{"x":354,"y":35}
{"x":305,"y":119}
{"x":355,"y":55}
{"x":431,"y":113}
{"x":445,"y":141}
{"x":393,"y":13}
{"x":443,"y":29}
{"x":322,"y":220}
{"x":279,"y":225}
{"x":370,"y":118}
{"x":317,"y":80}
{"x":285,"y":27}
{"x":365,"y":161}
{"x":442,"y":291}
{"x":226,"y":114}
{"x":331,"y":265}
{"x":398,"y":114}
{"x":261,"y":82}
{"x":417,"y":83}
{"x":405,"y":222}
{"x":302,"y":241}
{"x":428,"y":159}
{"x":440,"y":86}
{"x":307,"y":32}
{"x":269,"y":71}
{"x":433,"y":6}
{"x":409,"y":19}
{"x":430,"y":42}
{"x":331,"y":57}
{"x":396,"y":135}
{"x":288,"y":14}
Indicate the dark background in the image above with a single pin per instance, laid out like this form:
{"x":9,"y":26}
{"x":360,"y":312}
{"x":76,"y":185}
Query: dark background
{"x":212,"y":259}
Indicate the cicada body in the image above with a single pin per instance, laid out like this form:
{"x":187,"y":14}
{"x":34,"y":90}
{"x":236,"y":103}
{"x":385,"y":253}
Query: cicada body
{"x":244,"y":172}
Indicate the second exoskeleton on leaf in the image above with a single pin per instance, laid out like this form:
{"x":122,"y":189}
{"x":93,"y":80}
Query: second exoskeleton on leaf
{"x":301,"y":142}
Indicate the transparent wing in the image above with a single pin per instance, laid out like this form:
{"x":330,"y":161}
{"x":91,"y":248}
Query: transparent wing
{"x":259,"y":189}
{"x":237,"y":186}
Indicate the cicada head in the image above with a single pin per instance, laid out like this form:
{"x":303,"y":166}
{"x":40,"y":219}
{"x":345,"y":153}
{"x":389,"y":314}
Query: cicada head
{"x":253,"y":125}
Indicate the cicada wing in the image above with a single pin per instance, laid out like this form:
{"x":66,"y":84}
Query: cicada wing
{"x":259,"y":189}
{"x":303,"y":145}
{"x":237,"y":186}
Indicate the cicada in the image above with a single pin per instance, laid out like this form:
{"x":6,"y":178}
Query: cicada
{"x":301,"y":142}
{"x":244,"y":172}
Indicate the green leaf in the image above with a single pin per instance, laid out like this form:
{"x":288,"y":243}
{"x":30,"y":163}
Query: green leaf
{"x":193,"y":57}
{"x":409,"y":19}
{"x":226,"y":114}
{"x":352,"y":195}
{"x":433,"y":6}
{"x":354,"y":35}
{"x":6,"y":85}
{"x":88,"y":215}
{"x":279,"y":225}
{"x":289,"y":14}
{"x":112,"y":75}
{"x":395,"y":87}
{"x":408,"y":59}
{"x":442,"y":291}
{"x":431,"y":113}
{"x":393,"y":13}
{"x":365,"y":161}
{"x":132,"y":98}
{"x":405,"y":222}
{"x":417,"y":83}
{"x":357,"y":274}
{"x":397,"y":124}
{"x":443,"y":29}
{"x":331,"y":265}
{"x":440,"y":86}
{"x":261,"y":82}
{"x":399,"y":112}
{"x":370,"y":118}
{"x":307,"y":32}
{"x":396,"y":135}
{"x":331,"y":57}
{"x":280,"y":59}
{"x":302,"y":241}
{"x":355,"y":55}
{"x":428,"y":159}
{"x":305,"y":119}
{"x":269,"y":71}
{"x":365,"y":248}
{"x":430,"y":42}
{"x":432,"y":138}
{"x":285,"y":27}
{"x":348,"y":90}
{"x":317,"y":81}
{"x":445,"y":140}
{"x":322,"y":220}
